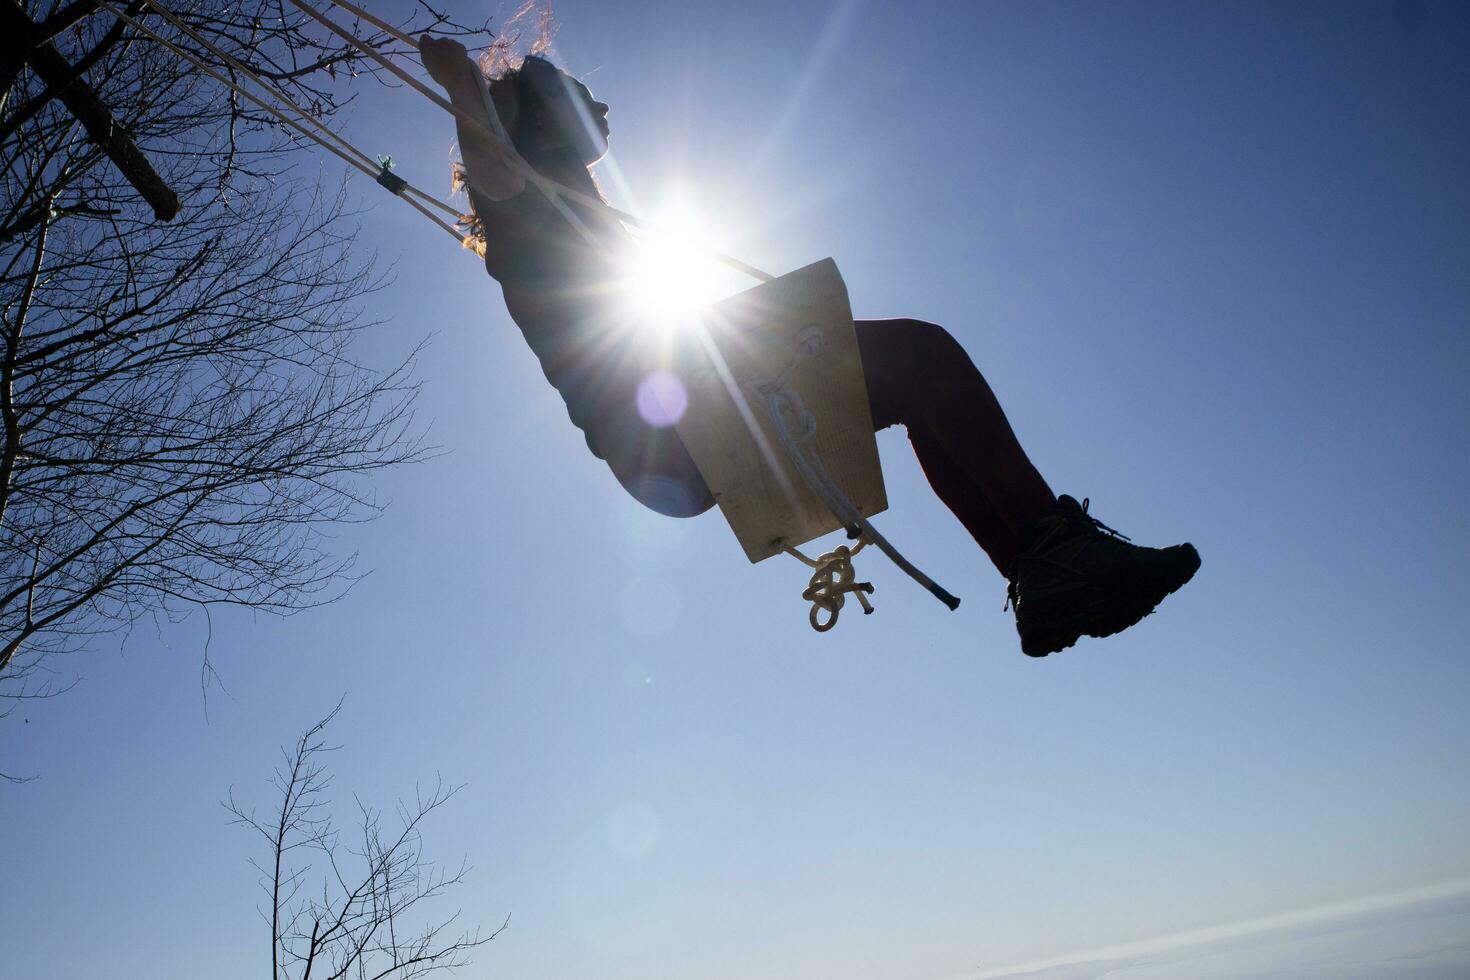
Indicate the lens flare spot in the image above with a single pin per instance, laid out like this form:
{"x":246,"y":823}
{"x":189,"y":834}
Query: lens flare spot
{"x":636,"y":676}
{"x":650,"y":605}
{"x":652,"y":542}
{"x":632,"y":830}
{"x":662,"y":399}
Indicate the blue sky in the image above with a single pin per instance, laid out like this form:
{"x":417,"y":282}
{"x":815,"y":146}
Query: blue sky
{"x":1212,"y":259}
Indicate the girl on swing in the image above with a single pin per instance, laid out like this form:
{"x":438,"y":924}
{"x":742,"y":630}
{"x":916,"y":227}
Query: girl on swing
{"x":1070,"y":575}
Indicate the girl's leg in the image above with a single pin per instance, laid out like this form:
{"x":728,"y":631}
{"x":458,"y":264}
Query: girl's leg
{"x":965,"y":501}
{"x":917,"y":376}
{"x":920,"y":377}
{"x":1069,"y":575}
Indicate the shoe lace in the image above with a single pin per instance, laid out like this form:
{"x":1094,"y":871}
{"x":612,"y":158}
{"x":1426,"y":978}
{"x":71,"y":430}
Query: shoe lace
{"x":1094,"y":524}
{"x":1081,"y":519}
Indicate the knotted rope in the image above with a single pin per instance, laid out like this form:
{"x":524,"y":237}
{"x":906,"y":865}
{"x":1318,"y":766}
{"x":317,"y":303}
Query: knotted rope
{"x":831,"y":581}
{"x":796,"y":429}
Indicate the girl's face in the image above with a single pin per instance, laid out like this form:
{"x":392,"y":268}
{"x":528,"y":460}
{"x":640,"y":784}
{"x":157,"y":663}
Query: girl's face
{"x":570,"y":115}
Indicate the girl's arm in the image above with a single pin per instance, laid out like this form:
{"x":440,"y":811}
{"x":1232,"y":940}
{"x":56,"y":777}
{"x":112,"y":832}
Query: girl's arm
{"x":526,"y":243}
{"x":509,"y":232}
{"x":509,"y":224}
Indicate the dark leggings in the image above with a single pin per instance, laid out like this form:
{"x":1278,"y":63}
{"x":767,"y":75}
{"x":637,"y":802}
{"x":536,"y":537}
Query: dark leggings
{"x":918,"y":376}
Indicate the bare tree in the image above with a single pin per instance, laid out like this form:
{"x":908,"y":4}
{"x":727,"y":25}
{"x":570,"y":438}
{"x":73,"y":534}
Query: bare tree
{"x":181,"y":411}
{"x":358,"y":912}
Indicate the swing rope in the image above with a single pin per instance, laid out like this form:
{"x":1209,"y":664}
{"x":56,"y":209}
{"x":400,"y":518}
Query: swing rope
{"x":380,"y":24}
{"x":553,"y":191}
{"x":378,"y":170}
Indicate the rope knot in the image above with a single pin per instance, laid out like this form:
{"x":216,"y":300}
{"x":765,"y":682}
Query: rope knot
{"x":833,"y":577}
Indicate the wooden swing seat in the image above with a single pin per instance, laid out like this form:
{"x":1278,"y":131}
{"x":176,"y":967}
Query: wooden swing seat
{"x":793,"y":335}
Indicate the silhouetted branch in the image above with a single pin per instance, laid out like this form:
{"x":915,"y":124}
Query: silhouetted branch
{"x":182,"y":412}
{"x":352,"y":927}
{"x":64,"y":82}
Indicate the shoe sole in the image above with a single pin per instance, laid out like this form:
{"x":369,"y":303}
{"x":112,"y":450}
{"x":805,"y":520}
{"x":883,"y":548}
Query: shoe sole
{"x":1054,"y":641}
{"x":1062,"y":630}
{"x":1111,"y":617}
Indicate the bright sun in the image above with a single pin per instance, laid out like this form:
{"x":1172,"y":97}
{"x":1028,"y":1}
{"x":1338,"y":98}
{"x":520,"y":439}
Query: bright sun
{"x":674,"y":273}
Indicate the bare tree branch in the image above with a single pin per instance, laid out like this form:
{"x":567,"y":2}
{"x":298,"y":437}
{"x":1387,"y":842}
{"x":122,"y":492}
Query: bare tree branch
{"x":354,"y":920}
{"x":184,"y":413}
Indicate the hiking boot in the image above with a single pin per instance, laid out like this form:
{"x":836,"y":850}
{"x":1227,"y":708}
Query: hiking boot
{"x":1082,"y":578}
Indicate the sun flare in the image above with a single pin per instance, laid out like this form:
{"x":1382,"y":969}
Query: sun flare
{"x":673,"y":273}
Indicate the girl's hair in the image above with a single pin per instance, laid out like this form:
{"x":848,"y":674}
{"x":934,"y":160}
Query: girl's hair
{"x":515,"y":71}
{"x":506,"y":52}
